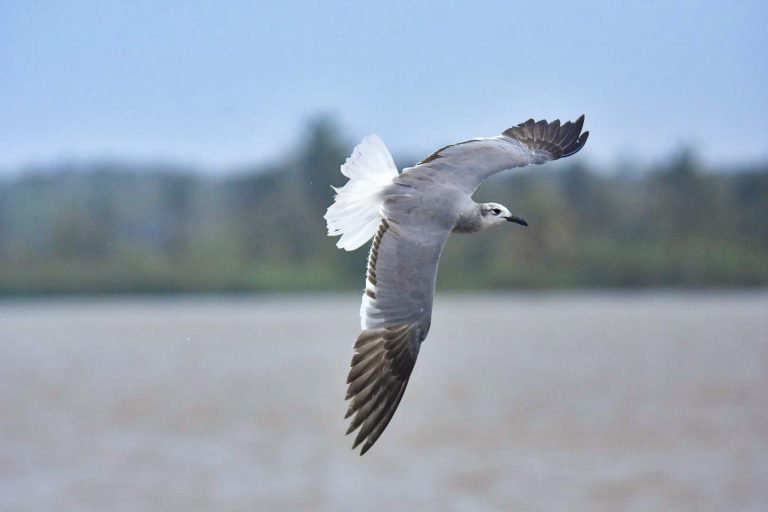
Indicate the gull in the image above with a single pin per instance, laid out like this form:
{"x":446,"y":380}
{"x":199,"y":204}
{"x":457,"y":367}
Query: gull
{"x":410,"y":215}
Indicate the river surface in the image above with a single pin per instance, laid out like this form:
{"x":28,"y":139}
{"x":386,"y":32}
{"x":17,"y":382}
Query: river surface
{"x":540,"y":402}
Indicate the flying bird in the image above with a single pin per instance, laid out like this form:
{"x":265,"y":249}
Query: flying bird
{"x":410,"y":215}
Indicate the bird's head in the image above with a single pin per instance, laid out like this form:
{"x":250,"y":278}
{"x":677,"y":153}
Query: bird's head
{"x":494,"y":213}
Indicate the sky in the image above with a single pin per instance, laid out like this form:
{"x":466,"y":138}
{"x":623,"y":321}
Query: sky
{"x":223,"y":84}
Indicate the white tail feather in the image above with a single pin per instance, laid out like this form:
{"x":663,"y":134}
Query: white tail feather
{"x":356,"y":211}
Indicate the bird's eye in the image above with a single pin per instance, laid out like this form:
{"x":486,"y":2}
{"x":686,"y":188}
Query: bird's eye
{"x":495,"y":211}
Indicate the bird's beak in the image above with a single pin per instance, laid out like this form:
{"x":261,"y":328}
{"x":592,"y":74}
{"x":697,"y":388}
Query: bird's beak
{"x":516,"y":220}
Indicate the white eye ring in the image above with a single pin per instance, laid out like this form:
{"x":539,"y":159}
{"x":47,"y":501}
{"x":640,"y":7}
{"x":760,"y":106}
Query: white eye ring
{"x":495,"y":211}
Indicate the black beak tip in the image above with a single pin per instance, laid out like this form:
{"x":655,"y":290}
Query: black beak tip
{"x":517,"y":220}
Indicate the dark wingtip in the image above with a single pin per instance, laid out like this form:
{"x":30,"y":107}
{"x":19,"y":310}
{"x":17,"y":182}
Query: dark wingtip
{"x":556,"y":139}
{"x":577,"y":144}
{"x":377,"y":379}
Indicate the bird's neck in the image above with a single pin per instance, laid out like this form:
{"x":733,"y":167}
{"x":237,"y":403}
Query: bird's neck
{"x":469,"y":221}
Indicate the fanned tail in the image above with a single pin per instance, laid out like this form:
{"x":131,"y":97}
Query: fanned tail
{"x":355,"y":212}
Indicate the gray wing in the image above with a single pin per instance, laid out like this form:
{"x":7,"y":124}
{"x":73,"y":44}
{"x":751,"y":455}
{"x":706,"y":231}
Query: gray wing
{"x":395,"y":314}
{"x":465,"y":165}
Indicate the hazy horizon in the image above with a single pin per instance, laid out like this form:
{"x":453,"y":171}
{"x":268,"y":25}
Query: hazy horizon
{"x":133,"y":163}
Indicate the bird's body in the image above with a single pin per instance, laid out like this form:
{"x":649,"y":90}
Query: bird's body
{"x":410,"y":217}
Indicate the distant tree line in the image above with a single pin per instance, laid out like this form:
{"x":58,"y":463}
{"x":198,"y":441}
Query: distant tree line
{"x":117,"y":228}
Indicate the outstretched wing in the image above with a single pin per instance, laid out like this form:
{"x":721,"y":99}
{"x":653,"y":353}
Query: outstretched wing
{"x":395,"y":314}
{"x":381,"y":367}
{"x":466,"y":164}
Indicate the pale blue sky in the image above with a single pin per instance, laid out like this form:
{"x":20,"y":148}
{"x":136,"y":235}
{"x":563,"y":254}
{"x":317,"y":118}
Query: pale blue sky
{"x":226,"y":83}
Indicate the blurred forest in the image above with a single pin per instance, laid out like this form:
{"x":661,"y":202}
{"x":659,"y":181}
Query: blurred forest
{"x":108,"y":227}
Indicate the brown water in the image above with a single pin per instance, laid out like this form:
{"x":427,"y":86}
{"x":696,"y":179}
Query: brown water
{"x":599,"y":402}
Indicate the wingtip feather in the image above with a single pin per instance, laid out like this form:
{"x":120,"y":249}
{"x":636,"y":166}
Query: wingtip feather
{"x":553,"y":138}
{"x":375,"y":398}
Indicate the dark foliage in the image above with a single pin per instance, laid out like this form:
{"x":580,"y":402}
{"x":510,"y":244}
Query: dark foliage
{"x":119,"y":228}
